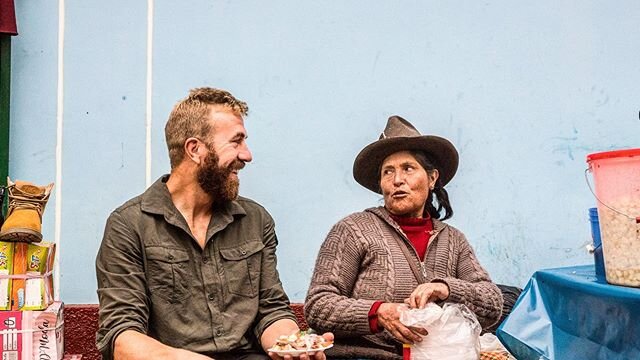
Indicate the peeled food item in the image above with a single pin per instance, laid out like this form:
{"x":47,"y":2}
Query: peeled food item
{"x":620,"y":227}
{"x":301,"y":340}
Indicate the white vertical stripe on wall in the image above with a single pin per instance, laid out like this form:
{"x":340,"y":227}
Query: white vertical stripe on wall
{"x":148,"y":112}
{"x":59,"y":118}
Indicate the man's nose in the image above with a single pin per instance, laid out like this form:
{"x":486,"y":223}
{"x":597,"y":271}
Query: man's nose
{"x":245,"y":154}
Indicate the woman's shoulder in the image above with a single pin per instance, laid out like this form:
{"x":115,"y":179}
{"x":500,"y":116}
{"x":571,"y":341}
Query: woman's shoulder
{"x":358,"y":219}
{"x":453,"y":232}
{"x":358,"y":216}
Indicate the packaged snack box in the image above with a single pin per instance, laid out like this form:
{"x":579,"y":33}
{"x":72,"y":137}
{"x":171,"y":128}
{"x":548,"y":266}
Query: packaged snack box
{"x":6,"y":268}
{"x":33,"y":335}
{"x":32,"y":278}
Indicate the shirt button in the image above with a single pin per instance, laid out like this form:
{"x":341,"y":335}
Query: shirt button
{"x":205,"y":260}
{"x":244,"y":252}
{"x":211,"y":297}
{"x":218,"y":332}
{"x":170,"y":257}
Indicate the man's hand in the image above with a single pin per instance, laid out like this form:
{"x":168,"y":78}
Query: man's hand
{"x":429,"y":292}
{"x":389,"y":318}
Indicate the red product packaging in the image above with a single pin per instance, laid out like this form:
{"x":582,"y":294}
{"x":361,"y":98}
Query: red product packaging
{"x":32,"y":335}
{"x":406,"y":352}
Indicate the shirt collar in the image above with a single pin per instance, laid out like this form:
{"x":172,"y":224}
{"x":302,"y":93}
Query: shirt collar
{"x":157,"y":200}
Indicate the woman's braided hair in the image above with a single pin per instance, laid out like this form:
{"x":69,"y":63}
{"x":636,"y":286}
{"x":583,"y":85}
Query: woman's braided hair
{"x":438,"y":195}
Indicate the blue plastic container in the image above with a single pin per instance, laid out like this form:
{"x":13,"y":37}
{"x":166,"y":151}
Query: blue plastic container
{"x":597,"y":244}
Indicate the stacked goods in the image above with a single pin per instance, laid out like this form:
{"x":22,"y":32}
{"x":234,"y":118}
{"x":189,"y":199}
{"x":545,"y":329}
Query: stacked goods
{"x":31,"y":322}
{"x":33,"y":334}
{"x":32,"y":277}
{"x":26,"y":278}
{"x":6,"y":269}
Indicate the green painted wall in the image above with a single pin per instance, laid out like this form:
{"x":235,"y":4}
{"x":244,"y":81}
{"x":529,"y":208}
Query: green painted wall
{"x":5,"y":88}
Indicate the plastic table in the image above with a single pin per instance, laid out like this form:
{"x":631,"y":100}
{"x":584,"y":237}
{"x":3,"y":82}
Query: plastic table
{"x":567,"y":313}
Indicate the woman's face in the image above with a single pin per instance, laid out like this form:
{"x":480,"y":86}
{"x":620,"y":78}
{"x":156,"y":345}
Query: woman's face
{"x":405,"y":184}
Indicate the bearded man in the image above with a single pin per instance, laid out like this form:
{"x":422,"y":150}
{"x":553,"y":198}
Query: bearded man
{"x":187,"y":270}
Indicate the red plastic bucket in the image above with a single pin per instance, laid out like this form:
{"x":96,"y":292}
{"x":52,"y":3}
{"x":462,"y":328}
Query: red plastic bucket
{"x":616,"y":176}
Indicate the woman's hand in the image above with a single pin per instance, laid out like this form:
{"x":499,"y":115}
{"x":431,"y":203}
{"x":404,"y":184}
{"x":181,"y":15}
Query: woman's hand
{"x":317,"y":355}
{"x":389,"y":318}
{"x":429,"y":292}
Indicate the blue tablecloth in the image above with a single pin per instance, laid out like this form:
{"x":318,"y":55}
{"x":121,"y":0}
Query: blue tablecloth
{"x":566,"y":313}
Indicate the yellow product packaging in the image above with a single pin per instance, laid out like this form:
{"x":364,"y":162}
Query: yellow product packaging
{"x":33,"y":276}
{"x":19,"y":275}
{"x":6,"y":269}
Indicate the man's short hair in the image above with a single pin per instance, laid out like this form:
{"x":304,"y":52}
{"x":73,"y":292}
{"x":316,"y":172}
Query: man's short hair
{"x":189,"y":118}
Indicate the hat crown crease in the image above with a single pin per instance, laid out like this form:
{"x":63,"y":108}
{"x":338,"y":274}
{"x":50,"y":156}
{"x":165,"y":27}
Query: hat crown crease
{"x":399,"y":127}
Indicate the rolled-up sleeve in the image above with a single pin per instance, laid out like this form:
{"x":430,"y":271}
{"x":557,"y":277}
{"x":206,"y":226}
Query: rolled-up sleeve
{"x":121,"y":284}
{"x":273,"y":302}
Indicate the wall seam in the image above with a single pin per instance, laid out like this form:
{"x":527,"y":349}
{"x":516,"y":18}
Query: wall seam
{"x":149,"y":92}
{"x":59,"y":128}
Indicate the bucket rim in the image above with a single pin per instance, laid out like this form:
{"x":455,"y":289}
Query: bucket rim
{"x":613,"y":154}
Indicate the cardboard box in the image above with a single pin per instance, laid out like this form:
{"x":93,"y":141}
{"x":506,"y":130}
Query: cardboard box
{"x":33,"y":335}
{"x":32,"y":277}
{"x":6,"y":268}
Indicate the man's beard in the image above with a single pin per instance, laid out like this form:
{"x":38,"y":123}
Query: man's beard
{"x":217,"y":181}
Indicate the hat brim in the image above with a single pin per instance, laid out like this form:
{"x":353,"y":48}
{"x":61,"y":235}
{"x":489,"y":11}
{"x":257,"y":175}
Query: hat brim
{"x":366,"y":167}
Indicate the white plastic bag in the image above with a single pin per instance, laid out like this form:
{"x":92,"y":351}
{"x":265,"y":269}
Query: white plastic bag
{"x":454,"y":332}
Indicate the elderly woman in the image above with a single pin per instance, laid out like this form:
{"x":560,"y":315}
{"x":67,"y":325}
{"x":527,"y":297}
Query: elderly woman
{"x":374,"y":261}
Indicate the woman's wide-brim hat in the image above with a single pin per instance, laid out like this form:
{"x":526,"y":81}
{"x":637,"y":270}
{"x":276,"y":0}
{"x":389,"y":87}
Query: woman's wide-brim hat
{"x":400,"y":135}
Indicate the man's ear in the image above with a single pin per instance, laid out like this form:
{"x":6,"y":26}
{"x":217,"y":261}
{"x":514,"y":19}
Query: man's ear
{"x":193,"y":149}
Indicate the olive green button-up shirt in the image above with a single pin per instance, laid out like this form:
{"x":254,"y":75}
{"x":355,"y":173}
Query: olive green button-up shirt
{"x":154,"y":278}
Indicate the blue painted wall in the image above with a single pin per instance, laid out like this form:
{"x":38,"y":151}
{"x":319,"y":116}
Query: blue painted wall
{"x":524,"y":90}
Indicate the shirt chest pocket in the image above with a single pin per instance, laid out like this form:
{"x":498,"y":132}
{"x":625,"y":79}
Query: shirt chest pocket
{"x":167,"y":270}
{"x":241,"y":266}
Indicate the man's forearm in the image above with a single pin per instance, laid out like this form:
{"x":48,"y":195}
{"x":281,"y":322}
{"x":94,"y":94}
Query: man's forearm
{"x":132,"y":345}
{"x":280,"y":327}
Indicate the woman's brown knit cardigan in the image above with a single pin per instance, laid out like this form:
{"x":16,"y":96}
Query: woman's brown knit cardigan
{"x":360,"y":262}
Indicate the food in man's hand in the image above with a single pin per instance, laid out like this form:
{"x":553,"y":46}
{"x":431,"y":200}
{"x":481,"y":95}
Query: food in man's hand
{"x":300,"y":341}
